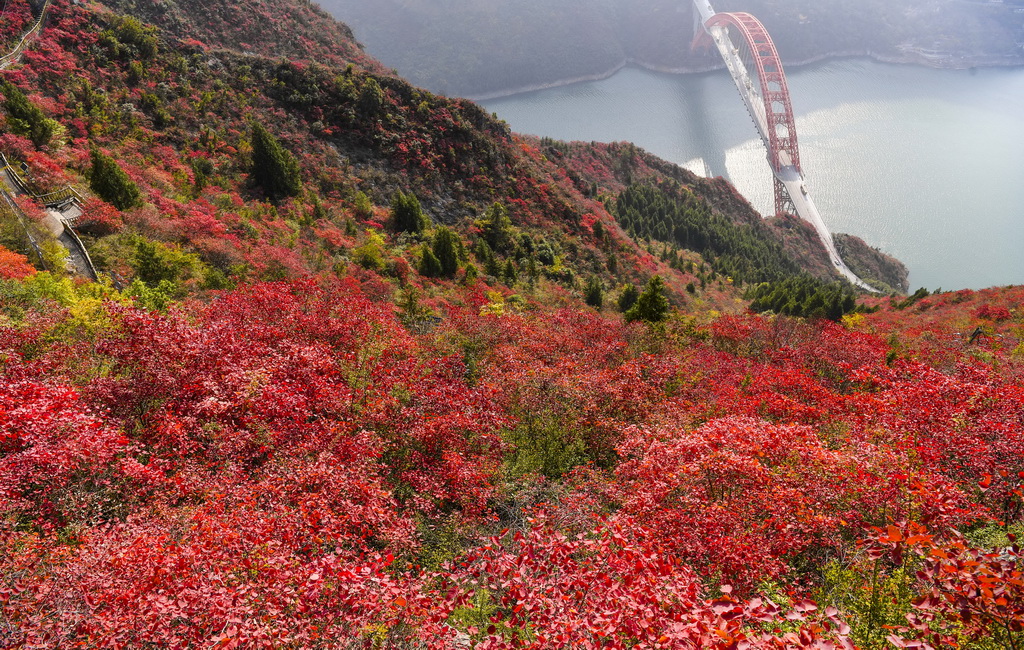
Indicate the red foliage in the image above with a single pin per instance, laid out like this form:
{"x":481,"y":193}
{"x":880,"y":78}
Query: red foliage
{"x":100,"y":218}
{"x":14,"y":266}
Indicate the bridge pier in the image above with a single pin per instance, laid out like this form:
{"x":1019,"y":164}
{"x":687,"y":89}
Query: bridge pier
{"x":772,"y":111}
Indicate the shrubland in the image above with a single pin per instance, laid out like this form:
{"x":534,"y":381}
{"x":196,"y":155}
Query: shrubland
{"x":364,"y":369}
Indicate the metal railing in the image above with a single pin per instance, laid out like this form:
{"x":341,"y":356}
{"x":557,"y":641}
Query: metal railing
{"x":55,"y":199}
{"x":23,"y":219}
{"x":60,"y":197}
{"x":36,"y":27}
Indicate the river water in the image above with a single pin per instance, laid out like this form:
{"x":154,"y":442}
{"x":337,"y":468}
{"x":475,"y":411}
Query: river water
{"x":926,"y":165}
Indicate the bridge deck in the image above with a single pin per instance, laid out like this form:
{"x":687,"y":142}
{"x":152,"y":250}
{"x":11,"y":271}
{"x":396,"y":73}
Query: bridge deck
{"x":787,"y":173}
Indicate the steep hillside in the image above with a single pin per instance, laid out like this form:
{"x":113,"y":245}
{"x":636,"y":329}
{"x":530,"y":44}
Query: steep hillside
{"x":176,"y":104}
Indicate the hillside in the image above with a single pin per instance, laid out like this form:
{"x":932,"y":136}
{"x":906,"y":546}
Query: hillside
{"x":485,"y":49}
{"x":363,"y":369}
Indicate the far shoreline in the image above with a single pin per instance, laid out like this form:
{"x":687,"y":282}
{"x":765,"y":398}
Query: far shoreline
{"x":916,"y":60}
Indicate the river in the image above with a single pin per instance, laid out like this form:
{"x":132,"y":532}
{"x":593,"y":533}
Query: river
{"x":926,"y":165}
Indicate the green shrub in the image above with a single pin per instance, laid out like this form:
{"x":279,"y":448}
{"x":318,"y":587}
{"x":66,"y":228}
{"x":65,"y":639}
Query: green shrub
{"x":273,"y":167}
{"x":652,"y":305}
{"x":111,"y":184}
{"x":25,"y":118}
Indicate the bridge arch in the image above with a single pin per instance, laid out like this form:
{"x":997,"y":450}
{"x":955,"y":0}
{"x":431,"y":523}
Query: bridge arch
{"x":759,"y":53}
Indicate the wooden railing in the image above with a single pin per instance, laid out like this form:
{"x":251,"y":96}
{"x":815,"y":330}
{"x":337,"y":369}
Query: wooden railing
{"x":56,"y":199}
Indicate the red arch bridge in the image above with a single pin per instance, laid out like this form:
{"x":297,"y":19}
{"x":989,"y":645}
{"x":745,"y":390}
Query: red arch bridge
{"x":756,"y":69}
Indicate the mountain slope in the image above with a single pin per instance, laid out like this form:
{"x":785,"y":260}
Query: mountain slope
{"x":176,"y":113}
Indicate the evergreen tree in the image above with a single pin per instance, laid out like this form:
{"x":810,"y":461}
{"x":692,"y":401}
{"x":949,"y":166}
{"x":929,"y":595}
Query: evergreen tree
{"x":593,"y":294}
{"x":652,"y":305}
{"x":511,"y":273}
{"x":627,"y":298}
{"x":406,"y":214}
{"x":498,"y":228}
{"x":371,"y":97}
{"x":273,"y":167}
{"x":362,"y":206}
{"x":111,"y":184}
{"x":446,"y":251}
{"x":151,"y":267}
{"x":24,"y":117}
{"x":430,"y":266}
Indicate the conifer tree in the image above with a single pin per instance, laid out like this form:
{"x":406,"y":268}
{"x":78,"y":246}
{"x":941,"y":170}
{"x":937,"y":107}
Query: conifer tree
{"x":510,"y":272}
{"x":446,"y":249}
{"x":593,"y":294}
{"x":111,"y":184}
{"x":406,"y":214}
{"x":273,"y":167}
{"x":652,"y":305}
{"x":430,"y":266}
{"x":627,"y":298}
{"x":498,"y":228}
{"x":24,"y":117}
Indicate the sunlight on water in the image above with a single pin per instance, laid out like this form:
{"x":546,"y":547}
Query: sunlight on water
{"x":927,"y":165}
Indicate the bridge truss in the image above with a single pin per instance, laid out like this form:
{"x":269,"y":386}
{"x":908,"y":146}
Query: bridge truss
{"x":756,"y":69}
{"x":757,"y":51}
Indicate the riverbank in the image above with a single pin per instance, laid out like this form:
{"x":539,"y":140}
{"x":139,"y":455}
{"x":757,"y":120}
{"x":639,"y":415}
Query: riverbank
{"x":910,"y":57}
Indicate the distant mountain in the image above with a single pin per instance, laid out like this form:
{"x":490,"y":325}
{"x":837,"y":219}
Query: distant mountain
{"x":480,"y":48}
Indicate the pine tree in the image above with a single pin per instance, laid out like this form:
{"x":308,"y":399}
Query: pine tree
{"x":24,"y":117}
{"x":111,"y":184}
{"x":652,"y":305}
{"x":273,"y":167}
{"x":362,"y":206}
{"x":498,"y":228}
{"x":593,"y":294}
{"x":446,"y":249}
{"x":511,"y":273}
{"x":627,"y":298}
{"x":430,"y":266}
{"x":406,"y":214}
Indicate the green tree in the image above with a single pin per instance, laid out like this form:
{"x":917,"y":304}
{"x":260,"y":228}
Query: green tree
{"x":593,"y":294}
{"x":406,"y":213}
{"x":273,"y":167}
{"x":111,"y":184}
{"x":362,"y":206}
{"x":652,"y":305}
{"x":430,"y":266}
{"x":24,"y":117}
{"x":446,"y":249}
{"x":371,"y":97}
{"x":627,"y":298}
{"x":497,"y":228}
{"x":510,"y":272}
